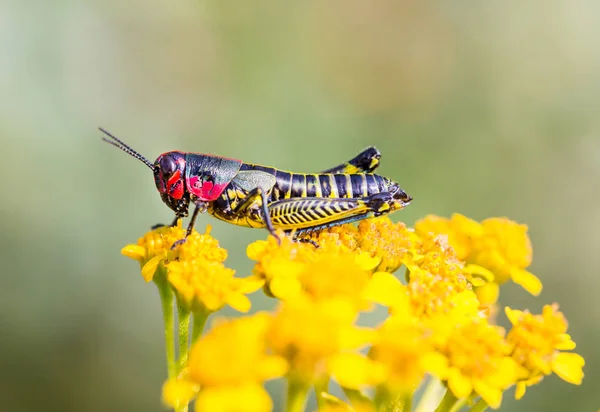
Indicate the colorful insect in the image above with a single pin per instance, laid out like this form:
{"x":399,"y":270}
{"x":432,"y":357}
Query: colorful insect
{"x":264,"y":197}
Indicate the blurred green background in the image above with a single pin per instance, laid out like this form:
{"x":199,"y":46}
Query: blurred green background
{"x":482,"y":108}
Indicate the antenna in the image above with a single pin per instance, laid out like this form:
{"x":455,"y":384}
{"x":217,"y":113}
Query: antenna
{"x":119,"y":144}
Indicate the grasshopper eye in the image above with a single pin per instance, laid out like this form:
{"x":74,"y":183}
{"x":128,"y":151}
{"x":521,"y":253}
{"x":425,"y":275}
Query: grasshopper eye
{"x":167,"y":166}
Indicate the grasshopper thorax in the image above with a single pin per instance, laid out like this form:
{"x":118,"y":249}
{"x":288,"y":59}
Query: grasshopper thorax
{"x":169,"y":176}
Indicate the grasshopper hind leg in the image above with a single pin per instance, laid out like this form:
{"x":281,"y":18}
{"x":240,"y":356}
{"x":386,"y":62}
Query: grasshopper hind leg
{"x":365,"y":162}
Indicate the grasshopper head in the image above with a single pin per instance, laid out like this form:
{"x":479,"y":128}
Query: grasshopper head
{"x":169,"y":176}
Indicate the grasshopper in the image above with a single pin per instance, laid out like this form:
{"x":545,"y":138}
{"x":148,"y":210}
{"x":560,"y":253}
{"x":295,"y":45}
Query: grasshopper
{"x":256,"y":196}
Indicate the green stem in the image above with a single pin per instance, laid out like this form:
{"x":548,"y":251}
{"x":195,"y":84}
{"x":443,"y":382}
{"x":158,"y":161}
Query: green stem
{"x":356,"y":397}
{"x":321,"y":386}
{"x":403,"y":403}
{"x":183,"y":317}
{"x":447,"y":402}
{"x":458,"y":405}
{"x":296,"y":396}
{"x":200,"y":318}
{"x":431,"y":396}
{"x":166,"y":299}
{"x":480,"y":406}
{"x":382,"y":399}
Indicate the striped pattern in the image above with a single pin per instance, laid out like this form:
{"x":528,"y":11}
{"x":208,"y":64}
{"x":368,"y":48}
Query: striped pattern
{"x":304,"y":213}
{"x":341,"y":185}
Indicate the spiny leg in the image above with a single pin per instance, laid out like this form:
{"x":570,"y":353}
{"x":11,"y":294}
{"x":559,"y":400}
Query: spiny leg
{"x":264,"y":208}
{"x":306,"y":215}
{"x":200,"y":207}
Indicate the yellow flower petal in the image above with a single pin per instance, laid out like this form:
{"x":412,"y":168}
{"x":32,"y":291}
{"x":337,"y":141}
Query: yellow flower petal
{"x":242,"y":398}
{"x":366,"y":262}
{"x":239,"y":302}
{"x":565,"y":342}
{"x":520,"y":391}
{"x":480,"y":271}
{"x":385,"y":289}
{"x":436,"y":364}
{"x":272,"y":367}
{"x":178,"y":392}
{"x":134,"y":252}
{"x":285,"y":287}
{"x":492,"y":395}
{"x":355,"y":371}
{"x":522,"y":386}
{"x":250,"y":284}
{"x":150,"y":267}
{"x":513,"y":315}
{"x":569,"y":367}
{"x":488,"y":293}
{"x":256,"y":249}
{"x":234,"y":352}
{"x":528,"y":280}
{"x":460,"y":385}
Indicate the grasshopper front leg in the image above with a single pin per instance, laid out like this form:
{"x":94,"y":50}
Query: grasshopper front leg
{"x":248,"y":207}
{"x":200,"y":208}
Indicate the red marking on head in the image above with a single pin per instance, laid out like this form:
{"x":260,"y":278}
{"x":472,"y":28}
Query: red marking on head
{"x":175,"y":185}
{"x":206,"y":187}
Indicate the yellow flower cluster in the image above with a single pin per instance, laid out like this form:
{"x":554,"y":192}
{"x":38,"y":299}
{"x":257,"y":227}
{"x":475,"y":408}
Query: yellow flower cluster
{"x":496,"y":244}
{"x":438,"y":325}
{"x":194,"y":269}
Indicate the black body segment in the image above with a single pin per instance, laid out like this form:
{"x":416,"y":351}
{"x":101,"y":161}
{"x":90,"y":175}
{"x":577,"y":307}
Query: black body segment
{"x":303,"y":202}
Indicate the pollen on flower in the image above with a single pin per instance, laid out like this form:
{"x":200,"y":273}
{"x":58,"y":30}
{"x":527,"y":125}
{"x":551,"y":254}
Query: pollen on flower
{"x":537,"y":342}
{"x":155,"y":247}
{"x":461,"y":231}
{"x":292,"y":268}
{"x":378,"y":238}
{"x":432,"y":294}
{"x":207,"y":285}
{"x":498,"y":245}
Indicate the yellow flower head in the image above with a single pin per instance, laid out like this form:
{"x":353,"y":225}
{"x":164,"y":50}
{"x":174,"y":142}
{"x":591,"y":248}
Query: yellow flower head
{"x":461,"y":231}
{"x":330,"y":271}
{"x":478,"y":360}
{"x":431,"y":295}
{"x":310,"y":333}
{"x":332,"y":275}
{"x":280,"y":264}
{"x":387,"y":240}
{"x":537,"y":341}
{"x":498,"y":245}
{"x":249,"y":397}
{"x":438,"y":282}
{"x":404,"y":350}
{"x":205,"y":285}
{"x":505,"y":249}
{"x":228,"y":366}
{"x":234,"y":352}
{"x":377,"y":238}
{"x":154,"y":248}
